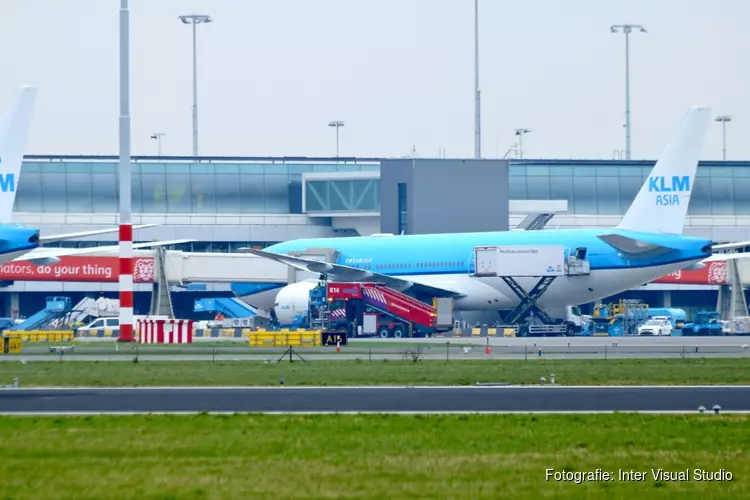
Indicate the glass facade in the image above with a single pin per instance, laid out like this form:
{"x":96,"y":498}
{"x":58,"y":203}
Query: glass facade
{"x":609,"y":187}
{"x":356,"y":195}
{"x":591,"y":187}
{"x":92,"y":187}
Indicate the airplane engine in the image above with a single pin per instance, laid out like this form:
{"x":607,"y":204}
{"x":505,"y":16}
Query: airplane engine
{"x":293,"y":300}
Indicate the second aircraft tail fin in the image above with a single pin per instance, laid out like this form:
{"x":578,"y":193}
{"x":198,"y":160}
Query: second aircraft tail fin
{"x":662,"y":203}
{"x":14,"y":131}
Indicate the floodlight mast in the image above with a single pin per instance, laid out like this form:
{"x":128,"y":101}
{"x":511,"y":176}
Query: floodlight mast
{"x":627,"y":29}
{"x":723,"y":119}
{"x":336,"y":124}
{"x":195,"y":20}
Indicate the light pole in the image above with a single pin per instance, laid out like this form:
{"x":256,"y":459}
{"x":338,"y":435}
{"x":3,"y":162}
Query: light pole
{"x":336,"y":124}
{"x":520,"y":133}
{"x":158,"y":136}
{"x":627,"y":29}
{"x":724,"y":119}
{"x":194,"y":20}
{"x":477,"y":97}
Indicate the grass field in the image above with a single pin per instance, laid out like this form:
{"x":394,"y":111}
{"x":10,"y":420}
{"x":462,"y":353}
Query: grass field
{"x":244,"y":373}
{"x":373,"y":457}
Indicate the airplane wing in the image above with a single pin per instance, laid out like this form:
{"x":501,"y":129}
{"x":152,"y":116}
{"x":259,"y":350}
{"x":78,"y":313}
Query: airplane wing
{"x":353,"y":274}
{"x":731,"y":246}
{"x":726,"y":256}
{"x":83,"y":234}
{"x":48,"y":256}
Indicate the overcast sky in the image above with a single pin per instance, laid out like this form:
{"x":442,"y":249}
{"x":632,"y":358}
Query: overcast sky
{"x":398,"y":72}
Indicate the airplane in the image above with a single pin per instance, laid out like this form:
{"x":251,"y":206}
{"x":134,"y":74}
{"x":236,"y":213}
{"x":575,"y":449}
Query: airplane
{"x":20,"y":243}
{"x":647,"y":244}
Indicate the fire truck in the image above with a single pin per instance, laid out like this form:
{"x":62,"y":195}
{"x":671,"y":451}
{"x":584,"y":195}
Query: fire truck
{"x":373,"y":309}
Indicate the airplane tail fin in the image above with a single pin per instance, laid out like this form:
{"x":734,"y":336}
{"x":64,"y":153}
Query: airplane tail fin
{"x":14,"y":131}
{"x":661,"y":204}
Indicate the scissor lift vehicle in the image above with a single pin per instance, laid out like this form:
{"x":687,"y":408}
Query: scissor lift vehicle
{"x":546,"y":263}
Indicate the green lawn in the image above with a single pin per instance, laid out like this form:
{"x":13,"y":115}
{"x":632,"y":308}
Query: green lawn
{"x":371,"y":457}
{"x":203,"y":373}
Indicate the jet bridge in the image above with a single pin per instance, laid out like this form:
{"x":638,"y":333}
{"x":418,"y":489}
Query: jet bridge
{"x":546,"y":262}
{"x":178,"y":267}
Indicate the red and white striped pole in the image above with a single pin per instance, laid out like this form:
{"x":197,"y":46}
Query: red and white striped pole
{"x":126,"y":283}
{"x":126,"y":227}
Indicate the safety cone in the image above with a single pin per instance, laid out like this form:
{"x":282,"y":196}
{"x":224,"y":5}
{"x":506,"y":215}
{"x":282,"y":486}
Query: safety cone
{"x":338,"y":347}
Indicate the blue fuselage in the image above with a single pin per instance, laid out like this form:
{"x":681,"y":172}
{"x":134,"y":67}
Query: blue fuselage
{"x":17,"y":240}
{"x":454,"y":253}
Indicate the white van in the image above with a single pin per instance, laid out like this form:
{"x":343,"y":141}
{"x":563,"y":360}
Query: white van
{"x":656,"y":326}
{"x":100,"y":327}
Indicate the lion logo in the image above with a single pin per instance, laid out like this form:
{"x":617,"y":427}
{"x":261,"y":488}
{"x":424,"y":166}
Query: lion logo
{"x":144,"y":271}
{"x":717,"y":272}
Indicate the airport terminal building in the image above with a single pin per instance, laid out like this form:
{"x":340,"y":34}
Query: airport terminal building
{"x":228,"y":203}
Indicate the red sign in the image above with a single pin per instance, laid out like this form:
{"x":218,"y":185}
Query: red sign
{"x":77,"y":268}
{"x":715,"y":273}
{"x":344,"y":291}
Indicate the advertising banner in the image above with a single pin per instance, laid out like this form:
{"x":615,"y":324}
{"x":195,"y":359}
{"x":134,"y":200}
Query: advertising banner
{"x":715,"y":273}
{"x":78,"y":268}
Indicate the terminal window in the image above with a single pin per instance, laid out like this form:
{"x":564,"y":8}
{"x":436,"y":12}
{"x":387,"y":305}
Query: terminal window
{"x":402,"y":206}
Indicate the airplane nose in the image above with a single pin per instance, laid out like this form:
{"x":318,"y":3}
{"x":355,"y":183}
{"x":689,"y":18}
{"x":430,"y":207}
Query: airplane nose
{"x":34,"y":238}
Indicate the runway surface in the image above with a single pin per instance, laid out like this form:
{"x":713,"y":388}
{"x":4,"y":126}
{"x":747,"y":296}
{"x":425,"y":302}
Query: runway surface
{"x":375,"y":399}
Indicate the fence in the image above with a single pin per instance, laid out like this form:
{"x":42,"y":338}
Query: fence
{"x":268,"y":346}
{"x":40,"y":335}
{"x":285,"y":339}
{"x":245,"y":333}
